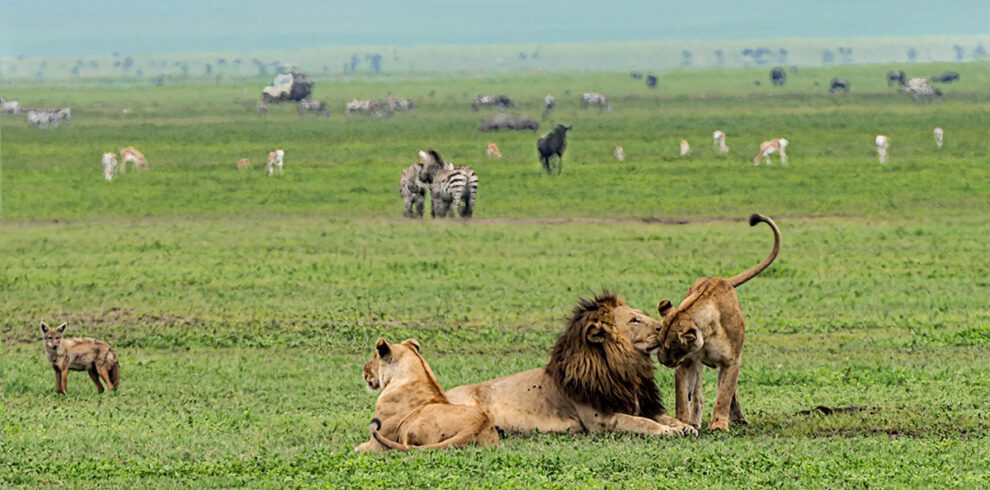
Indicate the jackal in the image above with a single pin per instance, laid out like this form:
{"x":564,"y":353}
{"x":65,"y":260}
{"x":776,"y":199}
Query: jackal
{"x":85,"y":354}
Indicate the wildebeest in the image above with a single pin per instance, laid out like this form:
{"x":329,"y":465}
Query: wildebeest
{"x":292,"y":86}
{"x":589,"y":99}
{"x":506,"y":121}
{"x":651,"y":80}
{"x":898,"y":77}
{"x":498,"y":101}
{"x":778,"y":76}
{"x":947,"y":77}
{"x":839,"y":84}
{"x":311,"y":105}
{"x":553,"y":144}
{"x":548,"y":104}
{"x":48,"y":118}
{"x":635,"y":74}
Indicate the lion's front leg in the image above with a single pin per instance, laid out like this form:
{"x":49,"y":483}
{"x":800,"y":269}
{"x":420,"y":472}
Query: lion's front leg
{"x":686,"y":429}
{"x":595,"y":421}
{"x":687,"y":383}
{"x":728,"y":379}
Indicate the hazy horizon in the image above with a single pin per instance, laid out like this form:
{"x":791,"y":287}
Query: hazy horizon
{"x":62,"y":28}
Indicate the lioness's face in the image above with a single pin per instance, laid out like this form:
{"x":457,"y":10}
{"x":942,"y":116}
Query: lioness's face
{"x":679,"y":337}
{"x":638,"y":327}
{"x":377,"y":371}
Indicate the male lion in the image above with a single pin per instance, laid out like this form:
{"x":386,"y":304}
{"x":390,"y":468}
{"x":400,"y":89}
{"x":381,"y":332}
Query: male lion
{"x":599,"y":379}
{"x":707,"y":329}
{"x":413,"y":412}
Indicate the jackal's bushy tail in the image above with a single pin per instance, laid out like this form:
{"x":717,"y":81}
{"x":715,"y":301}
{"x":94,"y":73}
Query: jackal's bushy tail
{"x":115,"y":373}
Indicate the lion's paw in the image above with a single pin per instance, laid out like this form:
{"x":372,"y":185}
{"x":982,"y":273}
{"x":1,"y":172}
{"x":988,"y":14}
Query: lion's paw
{"x":688,"y":430}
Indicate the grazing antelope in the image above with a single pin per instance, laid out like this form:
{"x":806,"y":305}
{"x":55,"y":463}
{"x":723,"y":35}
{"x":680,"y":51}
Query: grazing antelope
{"x":274,"y":160}
{"x":619,"y":153}
{"x":718,"y":142}
{"x":492,"y":151}
{"x":768,"y":148}
{"x":883,"y":147}
{"x":131,"y":154}
{"x":685,"y":148}
{"x":109,"y":166}
{"x":939,"y":136}
{"x":243,"y":164}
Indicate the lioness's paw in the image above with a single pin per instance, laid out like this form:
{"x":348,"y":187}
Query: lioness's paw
{"x":719,"y":425}
{"x":688,"y":430}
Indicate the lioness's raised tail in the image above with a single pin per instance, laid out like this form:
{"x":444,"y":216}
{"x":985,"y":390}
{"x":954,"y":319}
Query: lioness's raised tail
{"x":742,"y":277}
{"x":462,"y":438}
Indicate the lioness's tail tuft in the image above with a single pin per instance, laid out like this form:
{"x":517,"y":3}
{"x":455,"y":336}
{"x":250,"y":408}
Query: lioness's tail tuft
{"x":376,"y":424}
{"x":757,"y":218}
{"x":752,"y":272}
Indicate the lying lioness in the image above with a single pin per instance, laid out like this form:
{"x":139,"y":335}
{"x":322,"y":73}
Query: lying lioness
{"x":707,"y":329}
{"x":413,"y":412}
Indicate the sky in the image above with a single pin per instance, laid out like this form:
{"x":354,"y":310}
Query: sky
{"x":68,"y":28}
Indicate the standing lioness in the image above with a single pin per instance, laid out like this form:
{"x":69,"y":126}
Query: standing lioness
{"x":707,"y":329}
{"x":412,"y":411}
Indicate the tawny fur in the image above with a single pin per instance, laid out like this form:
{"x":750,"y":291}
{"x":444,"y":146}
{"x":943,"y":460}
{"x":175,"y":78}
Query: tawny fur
{"x":135,"y":157}
{"x":599,"y":379}
{"x":81,"y":354}
{"x":492,"y":151}
{"x":767,"y":148}
{"x":708,"y":329}
{"x":243,"y":164}
{"x":413,"y":412}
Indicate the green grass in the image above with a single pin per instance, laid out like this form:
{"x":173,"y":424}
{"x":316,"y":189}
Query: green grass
{"x":242,"y":307}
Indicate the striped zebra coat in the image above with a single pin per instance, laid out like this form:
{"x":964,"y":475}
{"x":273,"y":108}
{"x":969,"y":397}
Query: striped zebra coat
{"x":452,"y":189}
{"x":413,"y":191}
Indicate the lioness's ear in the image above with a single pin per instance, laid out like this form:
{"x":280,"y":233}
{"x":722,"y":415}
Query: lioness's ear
{"x":413,"y":343}
{"x":664,"y":306}
{"x":44,"y":327}
{"x":61,"y":328}
{"x":594,"y":333}
{"x":690,"y":336}
{"x":384,"y":351}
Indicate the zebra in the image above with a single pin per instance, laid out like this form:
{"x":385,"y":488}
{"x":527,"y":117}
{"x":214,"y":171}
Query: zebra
{"x":451,"y":188}
{"x":311,"y":105}
{"x":396,"y":104}
{"x":497,"y":101}
{"x":589,"y":99}
{"x":548,"y":104}
{"x":372,"y":107}
{"x":48,"y":118}
{"x":413,"y":191}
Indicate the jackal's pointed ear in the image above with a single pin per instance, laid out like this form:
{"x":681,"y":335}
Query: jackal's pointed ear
{"x":61,"y":328}
{"x":44,"y":327}
{"x":412,"y":343}
{"x":384,"y":351}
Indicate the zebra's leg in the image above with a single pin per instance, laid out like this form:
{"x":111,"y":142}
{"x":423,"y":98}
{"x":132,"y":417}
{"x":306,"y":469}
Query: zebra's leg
{"x":408,"y":205}
{"x":468,"y":206}
{"x":420,"y":201}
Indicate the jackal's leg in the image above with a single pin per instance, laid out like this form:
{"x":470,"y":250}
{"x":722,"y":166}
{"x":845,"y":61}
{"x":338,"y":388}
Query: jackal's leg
{"x":93,"y":375}
{"x":105,"y":375}
{"x":58,"y":380}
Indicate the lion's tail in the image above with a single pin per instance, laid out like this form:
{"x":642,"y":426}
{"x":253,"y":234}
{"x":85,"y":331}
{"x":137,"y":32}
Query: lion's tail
{"x":459,"y":439}
{"x":752,"y":272}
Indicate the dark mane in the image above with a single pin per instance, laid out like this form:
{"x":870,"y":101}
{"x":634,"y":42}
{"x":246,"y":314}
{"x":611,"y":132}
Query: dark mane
{"x":611,"y":377}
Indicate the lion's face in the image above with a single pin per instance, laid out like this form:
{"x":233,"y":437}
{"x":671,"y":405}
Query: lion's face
{"x":679,"y":336}
{"x":638,"y":327}
{"x":378,"y":370}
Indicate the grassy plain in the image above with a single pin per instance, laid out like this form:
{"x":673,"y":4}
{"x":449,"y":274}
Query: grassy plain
{"x":242,"y":306}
